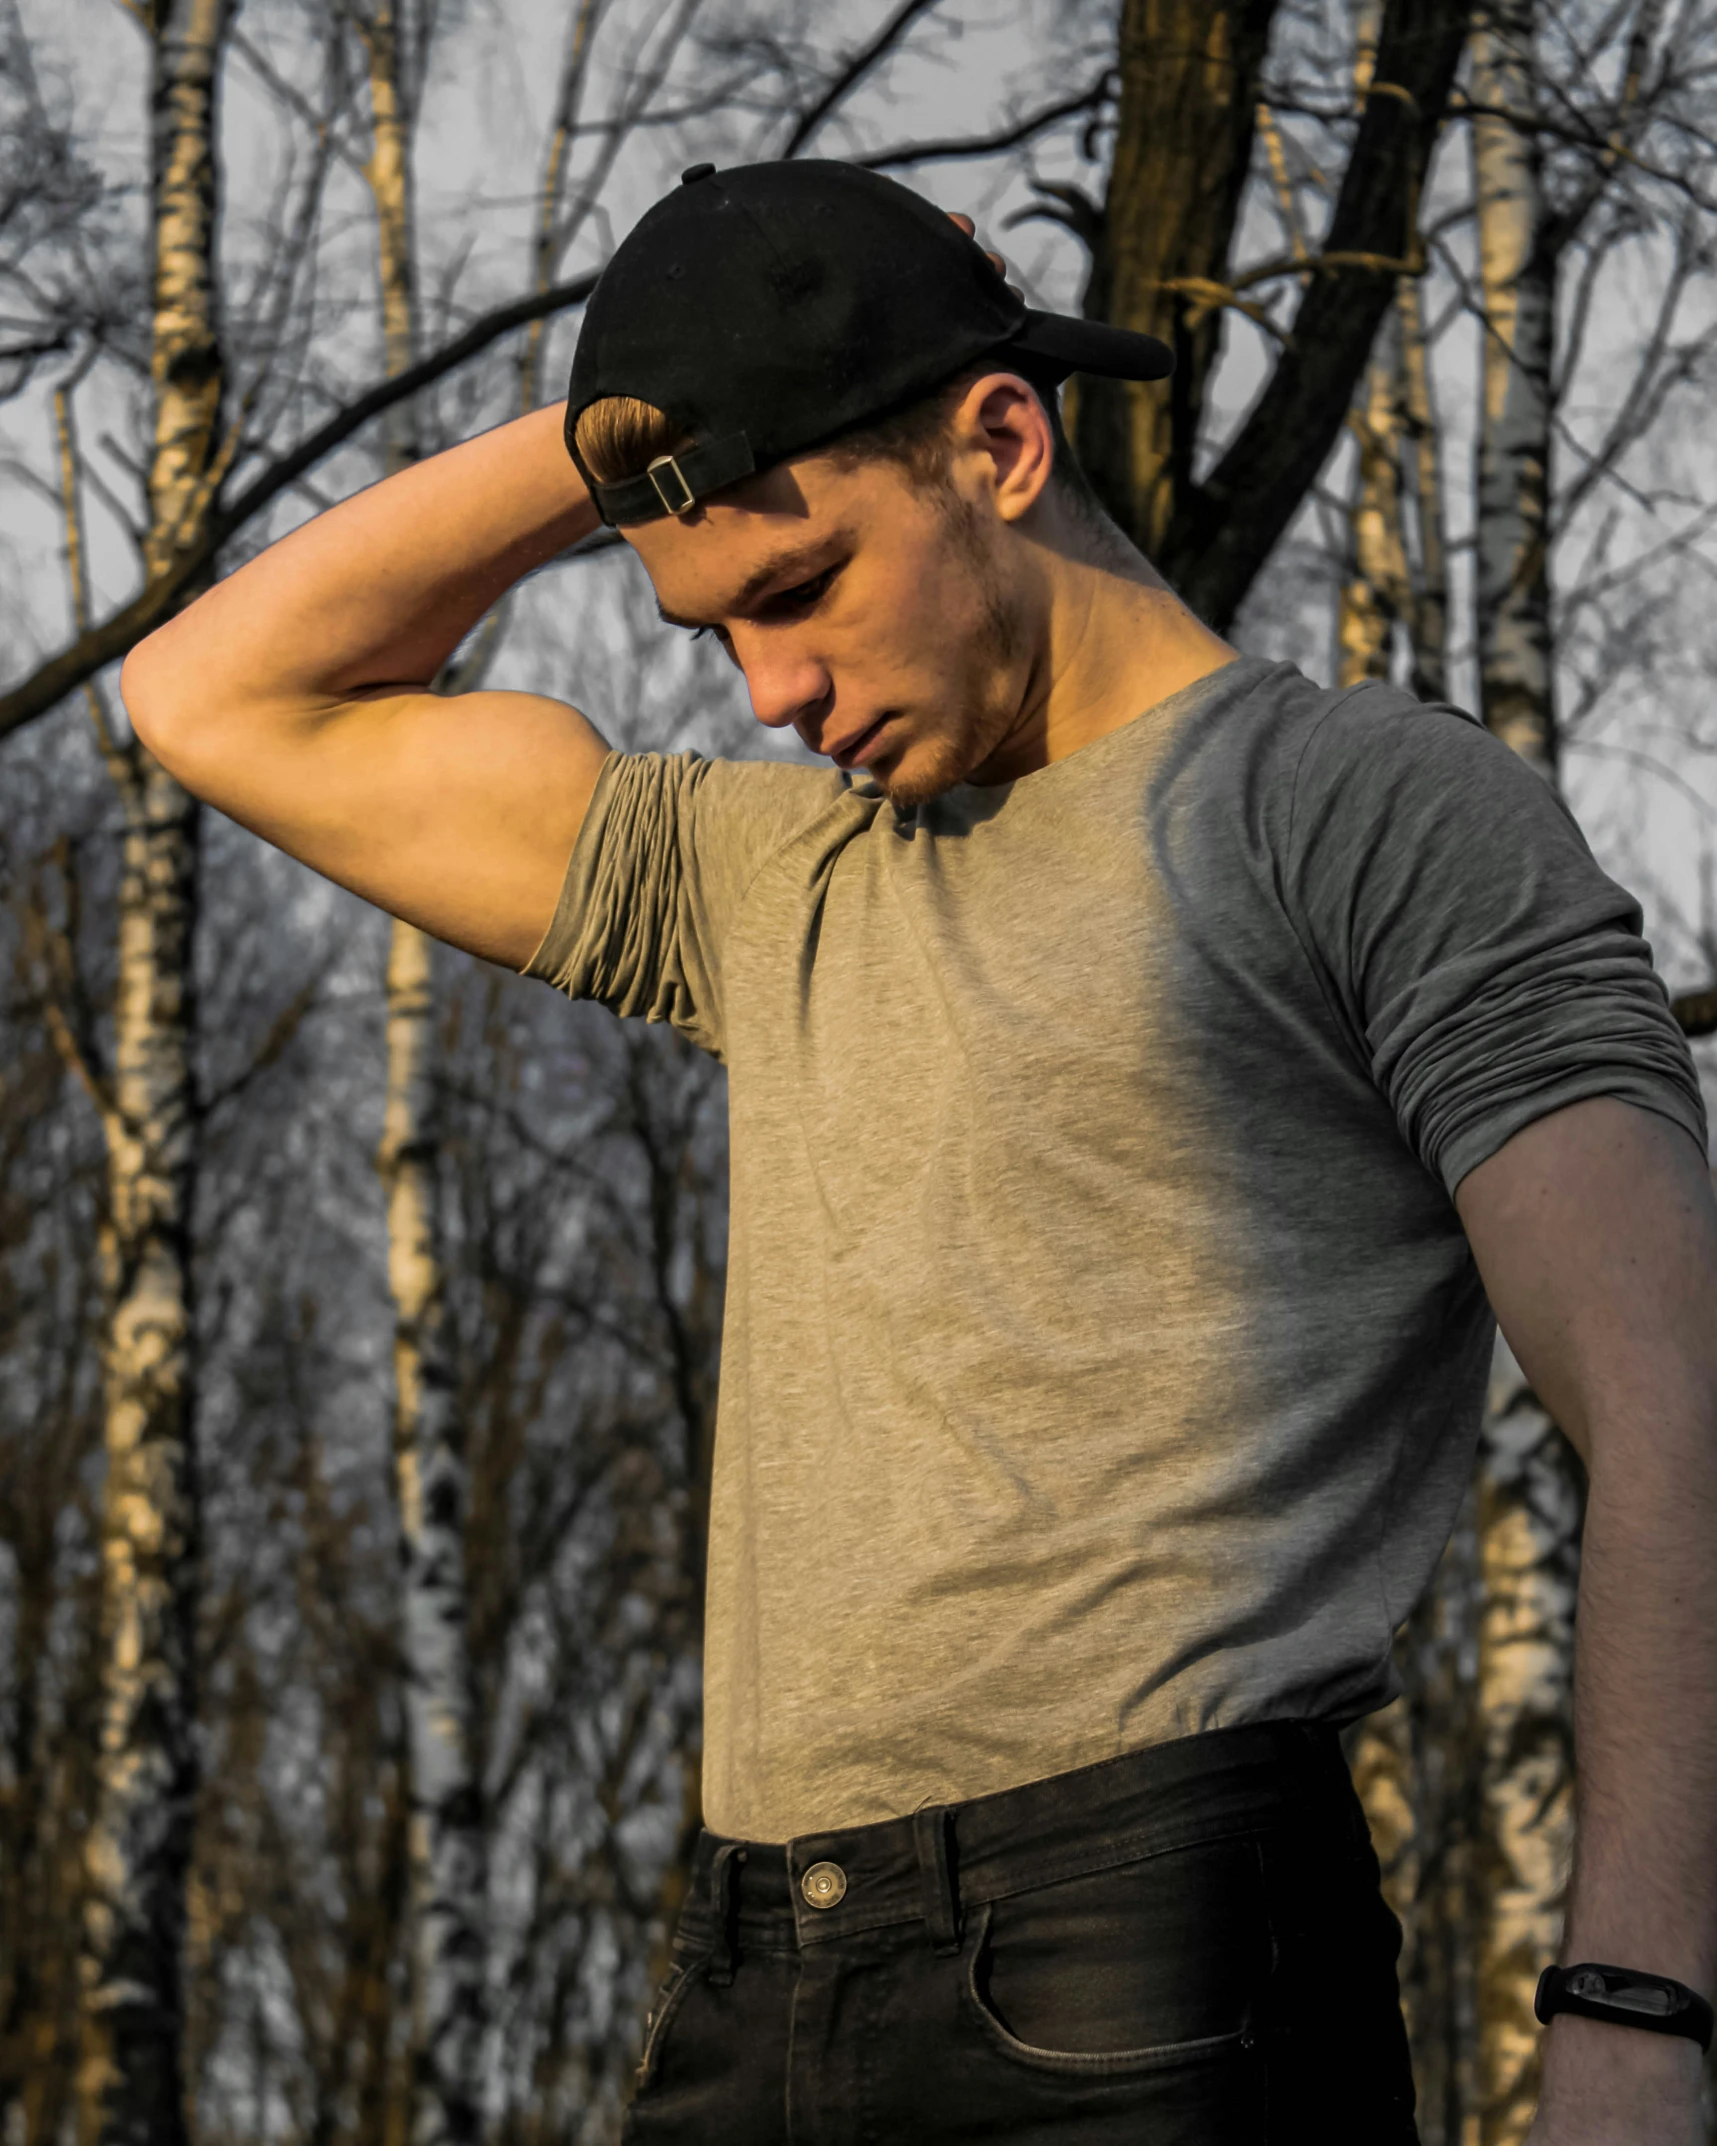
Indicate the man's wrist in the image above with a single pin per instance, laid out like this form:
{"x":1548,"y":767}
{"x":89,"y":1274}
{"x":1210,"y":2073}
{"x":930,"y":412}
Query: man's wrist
{"x":1608,"y":2080}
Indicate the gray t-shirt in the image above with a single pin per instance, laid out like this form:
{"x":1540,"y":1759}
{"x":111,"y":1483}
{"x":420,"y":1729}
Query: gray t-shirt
{"x":1103,"y":1353}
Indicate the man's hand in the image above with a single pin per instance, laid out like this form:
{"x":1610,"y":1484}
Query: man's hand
{"x":1596,"y":1234}
{"x":965,"y":223}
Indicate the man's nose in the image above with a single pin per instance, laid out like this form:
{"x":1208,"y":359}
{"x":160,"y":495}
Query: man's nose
{"x":786,"y":685}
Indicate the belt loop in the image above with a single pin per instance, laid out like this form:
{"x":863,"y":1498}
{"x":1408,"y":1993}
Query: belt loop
{"x":931,"y":1832}
{"x":723,"y":1913}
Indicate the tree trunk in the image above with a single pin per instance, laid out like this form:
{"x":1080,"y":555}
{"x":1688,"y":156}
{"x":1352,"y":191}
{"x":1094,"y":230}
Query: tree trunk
{"x":1518,"y":272}
{"x":138,"y":1852}
{"x":1160,"y":262}
{"x":1375,"y":593}
{"x":1430,"y":622}
{"x":1221,"y":529}
{"x":1530,"y":1500}
{"x":447,"y":1847}
{"x":1530,"y":1510}
{"x":1183,"y":145}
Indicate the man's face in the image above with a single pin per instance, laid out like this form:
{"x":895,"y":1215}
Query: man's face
{"x":878,"y":618}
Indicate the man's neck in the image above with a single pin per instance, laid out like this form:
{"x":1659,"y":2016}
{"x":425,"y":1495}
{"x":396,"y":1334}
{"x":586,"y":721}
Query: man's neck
{"x":1115,"y":641}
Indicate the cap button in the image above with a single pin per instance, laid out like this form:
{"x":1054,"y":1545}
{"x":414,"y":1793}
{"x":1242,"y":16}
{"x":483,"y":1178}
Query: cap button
{"x":694,"y":172}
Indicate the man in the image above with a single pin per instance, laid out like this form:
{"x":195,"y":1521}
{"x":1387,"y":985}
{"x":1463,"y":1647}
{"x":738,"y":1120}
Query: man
{"x":1141,"y":1065}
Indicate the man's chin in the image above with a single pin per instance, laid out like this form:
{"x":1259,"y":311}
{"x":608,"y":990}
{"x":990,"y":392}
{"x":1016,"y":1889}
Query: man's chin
{"x":912,"y":783}
{"x":926,"y":768}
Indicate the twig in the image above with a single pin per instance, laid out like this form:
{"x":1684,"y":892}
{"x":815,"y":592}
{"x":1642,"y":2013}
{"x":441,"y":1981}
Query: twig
{"x":854,"y":71}
{"x":1009,"y":137}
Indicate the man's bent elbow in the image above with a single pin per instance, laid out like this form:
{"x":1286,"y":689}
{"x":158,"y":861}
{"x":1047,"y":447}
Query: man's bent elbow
{"x":169,"y":708}
{"x":150,"y":692}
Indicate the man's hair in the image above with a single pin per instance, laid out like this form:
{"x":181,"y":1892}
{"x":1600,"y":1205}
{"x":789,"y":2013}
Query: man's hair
{"x":619,"y":437}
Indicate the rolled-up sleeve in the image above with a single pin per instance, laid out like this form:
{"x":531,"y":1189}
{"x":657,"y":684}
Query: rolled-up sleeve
{"x":1488,"y":971}
{"x":669,"y":846}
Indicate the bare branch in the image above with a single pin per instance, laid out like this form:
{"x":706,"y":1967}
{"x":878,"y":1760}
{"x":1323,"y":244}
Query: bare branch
{"x":118,"y":634}
{"x":848,"y":77}
{"x":1013,"y":136}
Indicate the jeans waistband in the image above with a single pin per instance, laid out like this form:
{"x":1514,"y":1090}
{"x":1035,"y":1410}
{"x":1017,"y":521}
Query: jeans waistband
{"x":935,"y":1863}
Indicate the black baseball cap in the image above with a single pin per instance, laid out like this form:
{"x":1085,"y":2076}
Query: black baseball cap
{"x":769,"y":308}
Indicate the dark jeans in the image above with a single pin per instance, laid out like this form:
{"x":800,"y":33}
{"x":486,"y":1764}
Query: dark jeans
{"x":1182,"y":1947}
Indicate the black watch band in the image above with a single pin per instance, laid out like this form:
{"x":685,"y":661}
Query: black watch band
{"x":1626,"y":1998}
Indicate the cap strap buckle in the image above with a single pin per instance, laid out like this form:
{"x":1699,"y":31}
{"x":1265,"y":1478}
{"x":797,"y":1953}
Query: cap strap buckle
{"x":674,"y":484}
{"x":688,"y":499}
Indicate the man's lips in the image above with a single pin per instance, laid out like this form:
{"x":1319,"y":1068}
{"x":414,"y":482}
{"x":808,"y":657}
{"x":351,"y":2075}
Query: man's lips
{"x":847,"y":753}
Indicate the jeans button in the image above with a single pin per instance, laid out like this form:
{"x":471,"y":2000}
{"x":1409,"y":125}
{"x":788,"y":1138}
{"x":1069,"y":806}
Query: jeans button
{"x":824,"y":1884}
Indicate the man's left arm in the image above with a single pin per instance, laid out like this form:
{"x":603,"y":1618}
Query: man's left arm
{"x":1595,"y":1231}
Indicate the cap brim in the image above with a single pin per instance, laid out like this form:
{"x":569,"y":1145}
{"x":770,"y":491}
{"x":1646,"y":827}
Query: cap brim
{"x":1092,"y":346}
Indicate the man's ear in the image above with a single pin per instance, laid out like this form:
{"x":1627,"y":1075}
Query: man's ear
{"x":1001,"y":419}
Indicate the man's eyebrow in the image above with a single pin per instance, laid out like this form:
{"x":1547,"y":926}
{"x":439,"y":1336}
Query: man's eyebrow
{"x":785,"y":561}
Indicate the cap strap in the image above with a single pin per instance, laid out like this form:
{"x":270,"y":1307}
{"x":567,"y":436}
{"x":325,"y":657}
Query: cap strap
{"x":673,"y":484}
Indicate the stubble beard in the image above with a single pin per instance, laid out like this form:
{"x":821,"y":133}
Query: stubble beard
{"x":989,"y":708}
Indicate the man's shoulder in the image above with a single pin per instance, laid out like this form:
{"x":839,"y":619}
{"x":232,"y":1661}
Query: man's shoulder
{"x":1277,"y":744}
{"x":721,"y":818}
{"x":1271,"y":710}
{"x":717,"y":788}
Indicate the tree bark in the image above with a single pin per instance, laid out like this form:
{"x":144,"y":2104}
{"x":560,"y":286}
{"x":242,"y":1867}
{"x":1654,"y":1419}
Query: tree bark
{"x":447,"y":1847}
{"x":130,"y":2085}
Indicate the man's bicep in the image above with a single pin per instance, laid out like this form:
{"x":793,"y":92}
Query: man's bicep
{"x":1595,"y":1233}
{"x":455,"y":812}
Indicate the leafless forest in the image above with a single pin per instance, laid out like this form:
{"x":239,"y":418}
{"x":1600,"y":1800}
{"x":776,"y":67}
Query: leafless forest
{"x":360,"y":1305}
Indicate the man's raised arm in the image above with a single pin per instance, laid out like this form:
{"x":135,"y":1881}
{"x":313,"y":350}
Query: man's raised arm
{"x":295,"y":695}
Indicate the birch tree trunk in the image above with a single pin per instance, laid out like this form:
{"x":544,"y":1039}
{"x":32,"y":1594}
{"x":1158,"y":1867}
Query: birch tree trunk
{"x":1430,"y":625}
{"x":1376,"y":592}
{"x":1392,"y":580}
{"x":1530,"y":1510}
{"x":130,"y":2084}
{"x":1530,"y":1501}
{"x":1517,"y":271}
{"x":447,"y":1858}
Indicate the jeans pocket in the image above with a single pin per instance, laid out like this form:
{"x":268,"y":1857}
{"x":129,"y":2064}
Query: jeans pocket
{"x":1148,"y":1967}
{"x":669,"y":1998}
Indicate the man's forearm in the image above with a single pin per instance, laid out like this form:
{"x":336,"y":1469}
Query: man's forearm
{"x":1645,"y":1881}
{"x":1596,"y":1234}
{"x":1644,"y":1890}
{"x":381,"y":589}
